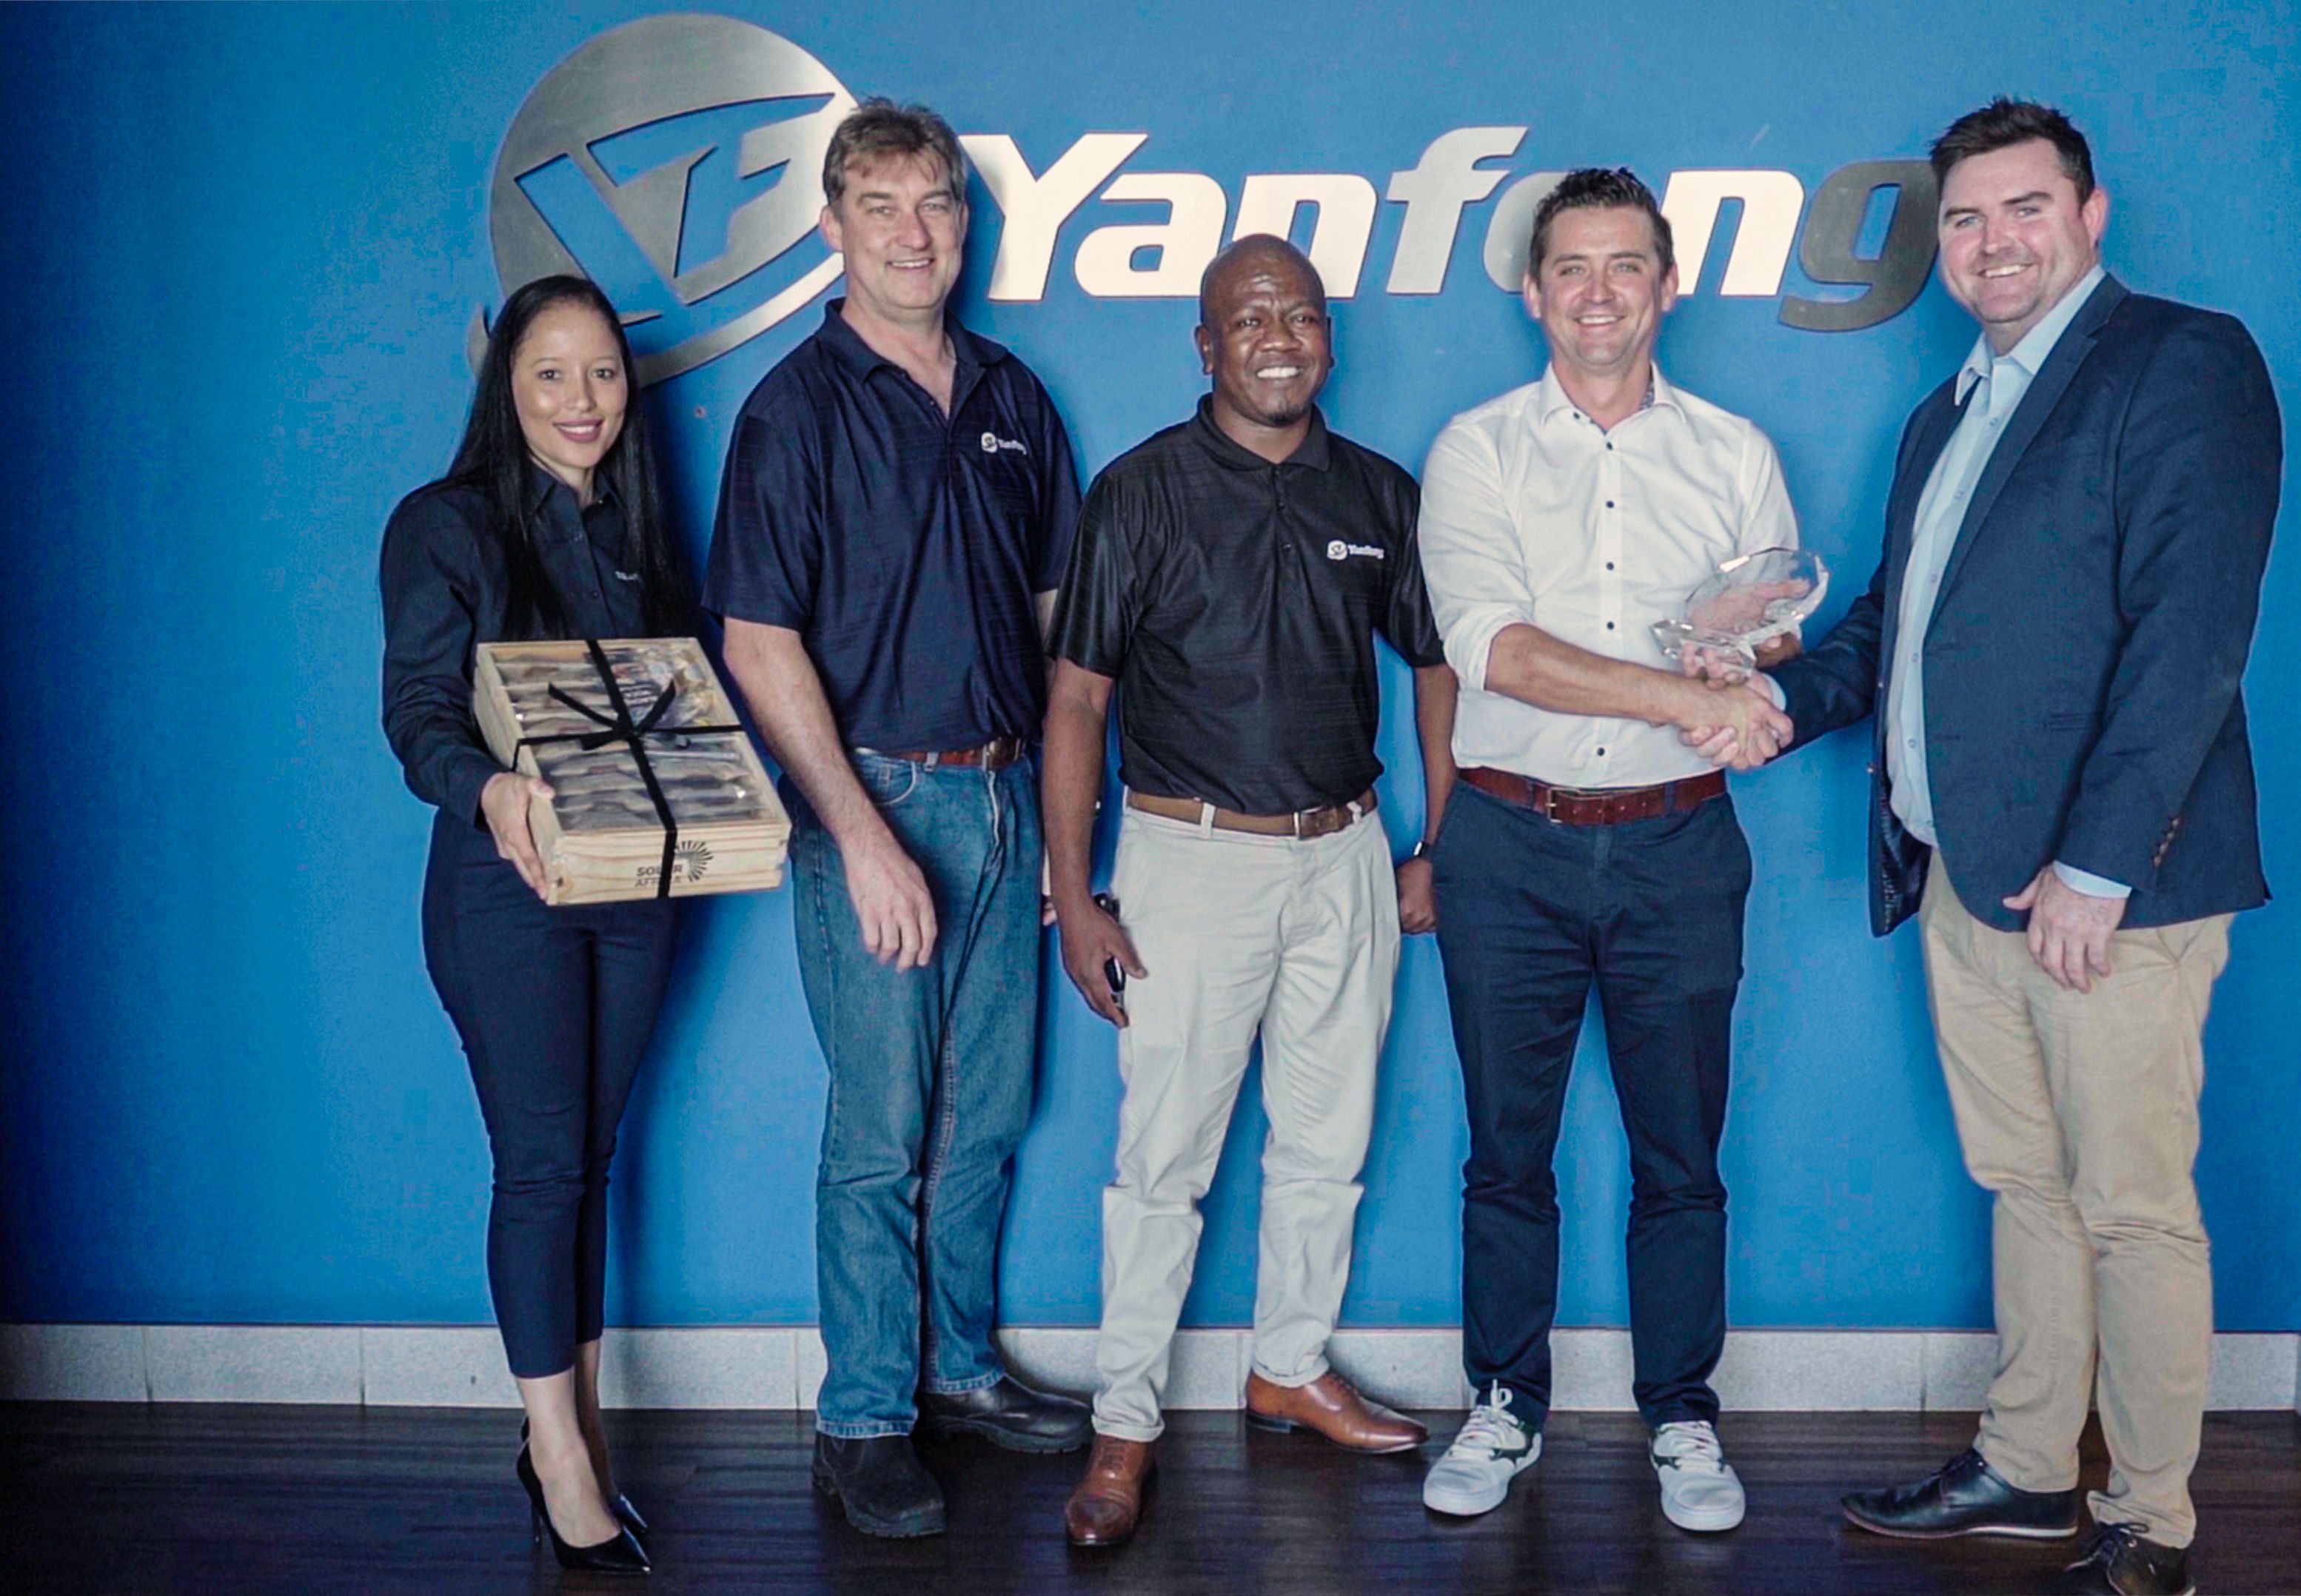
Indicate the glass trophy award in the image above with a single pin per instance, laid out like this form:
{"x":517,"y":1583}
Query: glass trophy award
{"x":1753,"y":599}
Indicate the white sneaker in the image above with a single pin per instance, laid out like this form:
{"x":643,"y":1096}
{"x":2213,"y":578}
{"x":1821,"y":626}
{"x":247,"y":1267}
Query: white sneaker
{"x":1490,"y":1449}
{"x":1699,"y":1488}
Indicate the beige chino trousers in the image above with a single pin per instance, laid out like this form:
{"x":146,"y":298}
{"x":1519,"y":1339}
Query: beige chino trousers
{"x":2080,"y":1111}
{"x":1298,"y":940}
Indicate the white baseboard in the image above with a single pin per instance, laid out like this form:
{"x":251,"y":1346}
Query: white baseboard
{"x":779,"y":1367}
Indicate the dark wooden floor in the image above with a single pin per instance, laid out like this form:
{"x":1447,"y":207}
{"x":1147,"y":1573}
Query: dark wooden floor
{"x":122,"y":1499}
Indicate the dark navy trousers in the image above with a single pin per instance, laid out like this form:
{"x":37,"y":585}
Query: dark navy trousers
{"x":1532,"y":915}
{"x":555,"y":1006}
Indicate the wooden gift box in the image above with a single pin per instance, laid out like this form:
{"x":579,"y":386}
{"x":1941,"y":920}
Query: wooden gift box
{"x":626,"y":730}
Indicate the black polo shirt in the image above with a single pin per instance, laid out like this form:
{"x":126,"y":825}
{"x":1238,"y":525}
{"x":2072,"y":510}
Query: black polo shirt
{"x":904,"y":546}
{"x":1236,"y":603}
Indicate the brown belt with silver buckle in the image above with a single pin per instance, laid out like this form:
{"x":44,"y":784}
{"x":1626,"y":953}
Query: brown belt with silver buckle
{"x":997,"y":754}
{"x":1610,"y":807}
{"x":1303,"y":823}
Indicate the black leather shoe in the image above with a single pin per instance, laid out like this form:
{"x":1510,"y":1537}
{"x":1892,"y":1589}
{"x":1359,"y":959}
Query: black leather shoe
{"x":880,"y":1484}
{"x":2120,"y":1561}
{"x":1966,"y":1497}
{"x":1011,"y":1414}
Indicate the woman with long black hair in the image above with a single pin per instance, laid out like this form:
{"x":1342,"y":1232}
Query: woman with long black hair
{"x":546,"y":526}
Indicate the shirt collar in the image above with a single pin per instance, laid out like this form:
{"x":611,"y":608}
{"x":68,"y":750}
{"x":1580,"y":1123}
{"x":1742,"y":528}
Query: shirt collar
{"x":1550,"y":396}
{"x":970,"y":349}
{"x":2037,"y":345}
{"x":1313,"y":451}
{"x":544,"y":490}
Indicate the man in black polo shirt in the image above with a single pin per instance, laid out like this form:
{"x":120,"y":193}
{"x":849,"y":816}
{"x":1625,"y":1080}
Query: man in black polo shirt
{"x":1229,"y":579}
{"x":898,"y":504}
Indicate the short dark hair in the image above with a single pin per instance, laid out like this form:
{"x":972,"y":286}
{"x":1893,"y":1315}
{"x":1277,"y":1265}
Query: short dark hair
{"x":1253,"y":246}
{"x":2002,"y":123}
{"x":1598,"y":189}
{"x":877,"y":129}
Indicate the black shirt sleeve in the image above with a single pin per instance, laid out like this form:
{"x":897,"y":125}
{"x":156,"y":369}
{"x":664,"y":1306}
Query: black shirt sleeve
{"x":1095,"y":614}
{"x":432,"y":588}
{"x":766,"y":550}
{"x":1058,"y":498}
{"x":1407,"y":622}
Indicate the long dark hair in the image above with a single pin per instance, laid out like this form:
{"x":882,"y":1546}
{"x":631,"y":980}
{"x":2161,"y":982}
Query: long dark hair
{"x":493,"y":461}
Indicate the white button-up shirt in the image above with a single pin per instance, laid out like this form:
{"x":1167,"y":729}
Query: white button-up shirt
{"x":1533,"y":514}
{"x":1991,"y":388}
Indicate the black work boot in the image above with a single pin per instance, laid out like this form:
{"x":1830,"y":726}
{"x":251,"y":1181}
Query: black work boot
{"x":881,"y":1483}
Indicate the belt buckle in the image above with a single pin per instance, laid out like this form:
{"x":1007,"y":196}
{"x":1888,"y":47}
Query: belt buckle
{"x":1547,"y":804}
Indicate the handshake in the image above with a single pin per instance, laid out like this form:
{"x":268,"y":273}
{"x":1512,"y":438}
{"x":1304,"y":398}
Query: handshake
{"x":1729,"y":717}
{"x":1742,"y":620}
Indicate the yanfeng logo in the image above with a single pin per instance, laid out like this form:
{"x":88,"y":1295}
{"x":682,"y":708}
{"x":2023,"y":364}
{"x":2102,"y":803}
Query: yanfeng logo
{"x":670,"y":160}
{"x":677,"y":160}
{"x":1340,"y":551}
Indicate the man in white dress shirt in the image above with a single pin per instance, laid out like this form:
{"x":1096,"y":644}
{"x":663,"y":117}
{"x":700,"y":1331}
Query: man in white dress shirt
{"x":1587,"y":845}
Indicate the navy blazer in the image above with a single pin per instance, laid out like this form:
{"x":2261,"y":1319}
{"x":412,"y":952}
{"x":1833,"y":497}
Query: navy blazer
{"x":2084,"y":654}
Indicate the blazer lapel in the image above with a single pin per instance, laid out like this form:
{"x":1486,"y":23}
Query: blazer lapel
{"x":2022,"y":429}
{"x":1938,"y":418}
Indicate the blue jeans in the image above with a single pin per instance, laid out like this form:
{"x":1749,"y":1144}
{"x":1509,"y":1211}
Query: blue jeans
{"x":931,"y":1074}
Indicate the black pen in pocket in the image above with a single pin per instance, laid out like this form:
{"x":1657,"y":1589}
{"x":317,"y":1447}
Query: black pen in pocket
{"x":1111,"y":971}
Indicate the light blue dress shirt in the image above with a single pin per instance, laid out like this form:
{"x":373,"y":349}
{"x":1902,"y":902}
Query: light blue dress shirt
{"x":1990,"y":387}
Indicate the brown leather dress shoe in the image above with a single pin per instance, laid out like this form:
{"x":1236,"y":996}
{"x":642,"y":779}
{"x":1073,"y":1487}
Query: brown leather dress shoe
{"x":1328,"y":1406}
{"x":1108,"y":1504}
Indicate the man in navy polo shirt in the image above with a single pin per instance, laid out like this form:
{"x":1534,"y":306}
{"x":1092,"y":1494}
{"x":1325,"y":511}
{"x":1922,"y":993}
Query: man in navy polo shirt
{"x":896,"y":512}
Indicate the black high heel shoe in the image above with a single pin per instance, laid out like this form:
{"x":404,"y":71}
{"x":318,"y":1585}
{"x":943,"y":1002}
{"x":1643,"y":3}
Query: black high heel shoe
{"x":621,"y":1554}
{"x":626,"y":1512}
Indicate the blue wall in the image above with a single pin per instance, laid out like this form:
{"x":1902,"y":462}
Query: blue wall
{"x":244,"y":247}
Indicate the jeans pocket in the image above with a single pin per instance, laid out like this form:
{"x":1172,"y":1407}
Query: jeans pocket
{"x":889,"y":781}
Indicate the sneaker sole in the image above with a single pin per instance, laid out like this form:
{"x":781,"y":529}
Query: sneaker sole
{"x":1472,"y":1505}
{"x":2011,"y":1531}
{"x":1704,"y":1524}
{"x":945,"y":1429}
{"x":908,"y":1528}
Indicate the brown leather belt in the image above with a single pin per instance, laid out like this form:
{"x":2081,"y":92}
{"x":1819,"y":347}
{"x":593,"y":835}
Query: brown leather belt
{"x":1610,"y":807}
{"x":1303,"y":823}
{"x":995,"y":754}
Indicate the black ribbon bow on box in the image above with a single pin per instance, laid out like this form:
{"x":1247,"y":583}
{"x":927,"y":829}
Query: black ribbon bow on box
{"x":634,"y":733}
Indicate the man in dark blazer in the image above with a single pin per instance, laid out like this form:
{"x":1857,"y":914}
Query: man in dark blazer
{"x":2062,"y":793}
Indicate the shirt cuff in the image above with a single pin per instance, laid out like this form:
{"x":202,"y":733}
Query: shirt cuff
{"x":1470,"y":642}
{"x":2090,"y":884}
{"x":473,"y":769}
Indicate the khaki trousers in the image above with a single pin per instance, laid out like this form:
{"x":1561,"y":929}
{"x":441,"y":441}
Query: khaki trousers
{"x":1299,"y":941}
{"x":2080,"y":1111}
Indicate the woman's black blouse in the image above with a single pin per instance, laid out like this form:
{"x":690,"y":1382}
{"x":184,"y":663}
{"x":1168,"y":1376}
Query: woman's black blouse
{"x":445,"y":590}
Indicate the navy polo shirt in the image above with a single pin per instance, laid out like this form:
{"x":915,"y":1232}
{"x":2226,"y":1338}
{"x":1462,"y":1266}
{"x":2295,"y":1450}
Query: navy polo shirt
{"x":903,"y":545}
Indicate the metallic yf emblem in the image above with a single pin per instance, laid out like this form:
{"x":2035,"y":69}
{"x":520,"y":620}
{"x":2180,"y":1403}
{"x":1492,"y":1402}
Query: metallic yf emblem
{"x":675,"y":161}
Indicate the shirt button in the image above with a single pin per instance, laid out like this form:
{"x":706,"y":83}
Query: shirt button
{"x":1602,"y":753}
{"x":1610,"y":626}
{"x":1610,"y":565}
{"x":1610,"y":503}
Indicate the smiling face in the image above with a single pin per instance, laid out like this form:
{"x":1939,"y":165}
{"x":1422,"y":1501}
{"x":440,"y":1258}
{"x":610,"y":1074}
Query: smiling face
{"x":2015,"y":238}
{"x":1265,"y":338}
{"x":903,"y":232}
{"x":1601,"y":292}
{"x":570,"y":388}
